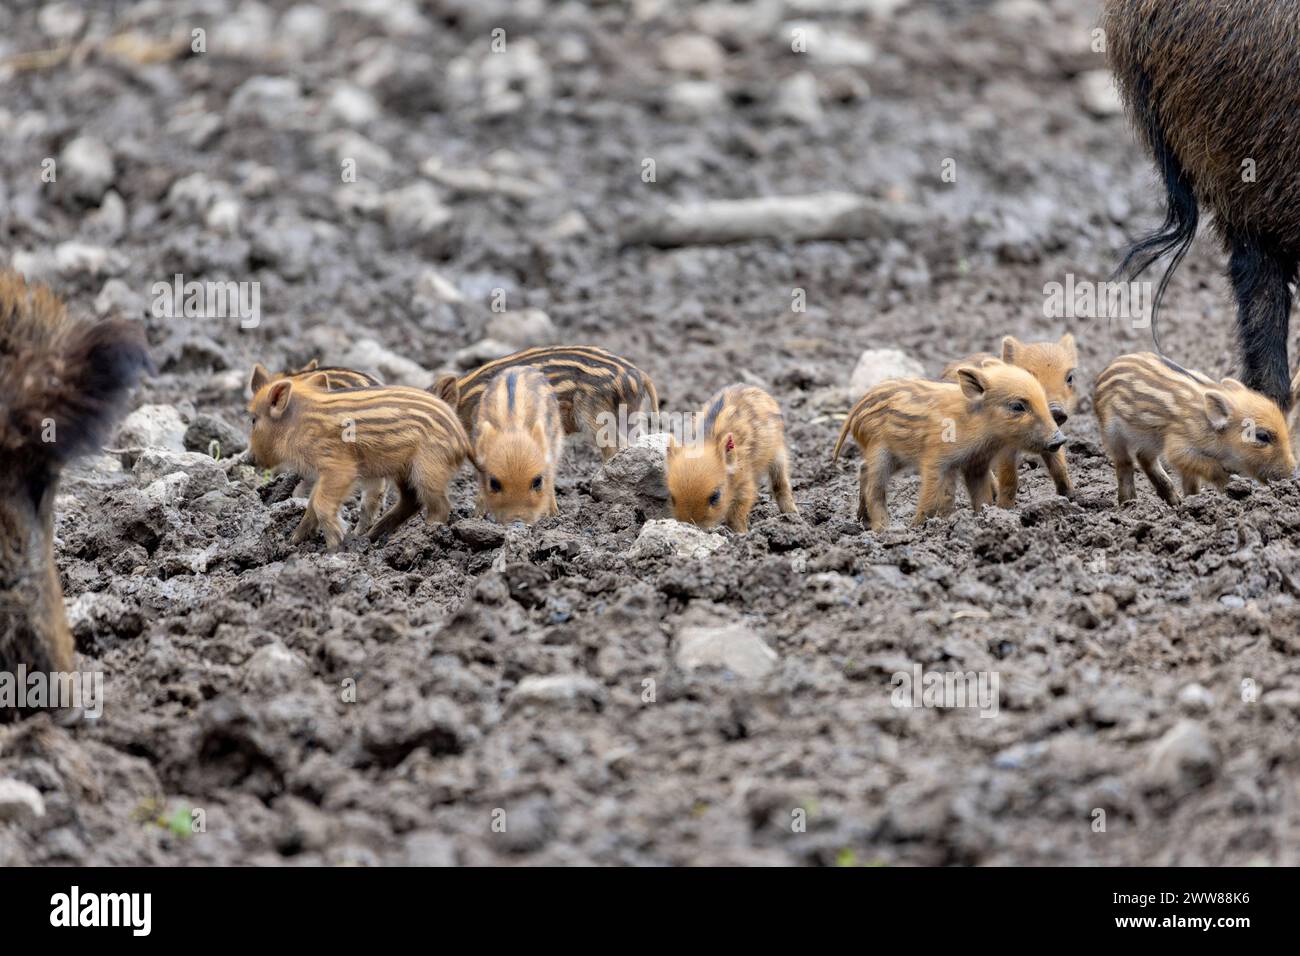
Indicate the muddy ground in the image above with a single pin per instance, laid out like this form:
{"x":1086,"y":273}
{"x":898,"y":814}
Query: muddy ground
{"x":459,"y":695}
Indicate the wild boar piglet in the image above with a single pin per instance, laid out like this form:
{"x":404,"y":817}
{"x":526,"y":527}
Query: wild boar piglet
{"x":1150,"y":407}
{"x":406,"y":435}
{"x":518,"y":441}
{"x":715,"y":480}
{"x":1054,"y":364}
{"x":945,"y":431}
{"x":598,"y":392}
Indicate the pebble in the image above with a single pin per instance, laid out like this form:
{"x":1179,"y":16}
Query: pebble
{"x":19,"y":802}
{"x":523,"y":329}
{"x":734,"y":646}
{"x":668,"y":537}
{"x":86,"y":169}
{"x":879,"y":365}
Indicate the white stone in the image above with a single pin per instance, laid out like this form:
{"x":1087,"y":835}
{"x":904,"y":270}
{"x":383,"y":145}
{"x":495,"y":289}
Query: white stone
{"x":19,"y":802}
{"x":732,"y":646}
{"x":524,"y":329}
{"x":1098,"y":93}
{"x":394,"y":369}
{"x":667,"y":537}
{"x":879,"y":365}
{"x":693,"y":53}
{"x":85,"y":167}
{"x":153,"y":426}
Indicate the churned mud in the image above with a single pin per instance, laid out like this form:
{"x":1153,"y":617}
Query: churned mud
{"x":470,"y":694}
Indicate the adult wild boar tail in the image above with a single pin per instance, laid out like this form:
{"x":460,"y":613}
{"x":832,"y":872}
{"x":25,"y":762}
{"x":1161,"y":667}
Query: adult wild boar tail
{"x":1182,"y":212}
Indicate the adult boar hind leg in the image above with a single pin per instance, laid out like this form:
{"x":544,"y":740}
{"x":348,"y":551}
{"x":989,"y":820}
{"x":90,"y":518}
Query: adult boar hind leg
{"x":1261,"y":271}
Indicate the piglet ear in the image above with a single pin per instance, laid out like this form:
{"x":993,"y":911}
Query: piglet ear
{"x":728,"y":444}
{"x":279,"y":397}
{"x":1217,"y":410}
{"x":447,"y":387}
{"x":1067,"y":343}
{"x":1010,"y":346}
{"x":310,"y":366}
{"x":259,"y":378}
{"x":1235,"y":385}
{"x":319,"y":380}
{"x":972,"y":381}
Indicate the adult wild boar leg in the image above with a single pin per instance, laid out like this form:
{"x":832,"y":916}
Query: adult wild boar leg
{"x":1261,"y":273}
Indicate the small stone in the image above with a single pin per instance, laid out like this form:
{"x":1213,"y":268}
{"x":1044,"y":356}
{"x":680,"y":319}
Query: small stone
{"x":670,"y":538}
{"x":1098,"y":93}
{"x":415,"y":211}
{"x":61,"y":21}
{"x":271,"y":100}
{"x":480,"y":533}
{"x":85,"y":168}
{"x":695,"y":98}
{"x":797,"y":100}
{"x":1184,"y":759}
{"x":152,"y":426}
{"x":369,"y":355}
{"x":434,"y":285}
{"x":274,"y":668}
{"x":208,"y":429}
{"x":204,"y":472}
{"x":429,"y":848}
{"x":879,"y":365}
{"x":635,"y":476}
{"x":831,"y":45}
{"x":1195,"y":699}
{"x":693,"y":53}
{"x":305,"y":27}
{"x":734,"y":647}
{"x":481,"y":352}
{"x":563,"y":690}
{"x":352,"y":105}
{"x":117,"y":298}
{"x":19,"y":802}
{"x":523,"y":329}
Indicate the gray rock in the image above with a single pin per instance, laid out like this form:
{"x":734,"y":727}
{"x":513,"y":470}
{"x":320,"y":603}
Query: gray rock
{"x":879,"y":365}
{"x":1195,"y":699}
{"x":151,"y":426}
{"x":207,"y":429}
{"x":635,"y":476}
{"x":1184,"y":759}
{"x":1098,"y":94}
{"x":204,"y":473}
{"x":270,"y":100}
{"x":797,"y":100}
{"x":432,"y":284}
{"x":19,"y":802}
{"x":484,"y":350}
{"x":305,"y":28}
{"x":671,"y":538}
{"x":561,"y":690}
{"x":522,"y":329}
{"x":480,"y":533}
{"x":429,"y":848}
{"x":734,"y":647}
{"x":415,"y":211}
{"x":351,"y":105}
{"x":688,"y":99}
{"x":85,"y":168}
{"x":274,"y":668}
{"x":823,"y":43}
{"x":693,"y":53}
{"x":392,"y":368}
{"x":117,"y":298}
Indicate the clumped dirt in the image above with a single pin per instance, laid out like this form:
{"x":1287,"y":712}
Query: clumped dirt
{"x":383,"y":704}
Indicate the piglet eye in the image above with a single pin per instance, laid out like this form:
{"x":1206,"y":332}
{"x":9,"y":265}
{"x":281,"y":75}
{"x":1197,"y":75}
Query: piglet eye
{"x":537,"y":483}
{"x":1263,"y":437}
{"x":1017,"y":408}
{"x":1069,"y":380}
{"x":494,"y":485}
{"x":715,"y":498}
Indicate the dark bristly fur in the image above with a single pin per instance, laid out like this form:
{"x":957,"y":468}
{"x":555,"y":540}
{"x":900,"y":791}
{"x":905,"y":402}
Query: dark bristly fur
{"x":62,"y":384}
{"x":1210,"y":84}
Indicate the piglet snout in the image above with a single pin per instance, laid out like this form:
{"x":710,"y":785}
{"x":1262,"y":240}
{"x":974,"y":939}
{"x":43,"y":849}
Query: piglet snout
{"x":1056,"y":441}
{"x":1059,"y":414}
